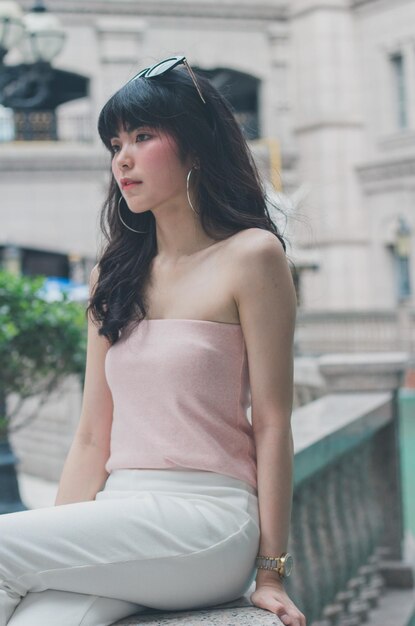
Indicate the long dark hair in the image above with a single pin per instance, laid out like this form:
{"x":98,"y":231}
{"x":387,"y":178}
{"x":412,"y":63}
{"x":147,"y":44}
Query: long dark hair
{"x":228,"y":189}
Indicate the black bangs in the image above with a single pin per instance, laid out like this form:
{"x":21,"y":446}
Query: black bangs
{"x":141,"y":102}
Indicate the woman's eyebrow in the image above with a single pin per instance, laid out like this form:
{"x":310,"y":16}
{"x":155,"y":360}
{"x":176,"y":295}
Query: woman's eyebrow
{"x":133,"y":130}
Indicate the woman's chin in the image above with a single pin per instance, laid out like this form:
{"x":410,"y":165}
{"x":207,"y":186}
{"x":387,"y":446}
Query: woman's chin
{"x":139,"y":210}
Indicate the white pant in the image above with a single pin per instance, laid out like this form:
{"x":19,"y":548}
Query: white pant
{"x":167,"y":539}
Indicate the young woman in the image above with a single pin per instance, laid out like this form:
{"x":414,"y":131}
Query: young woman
{"x":169,"y":497}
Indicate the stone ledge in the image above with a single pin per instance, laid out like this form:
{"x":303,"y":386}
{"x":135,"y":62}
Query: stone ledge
{"x":396,"y":608}
{"x":240,"y":612}
{"x":397,"y":574}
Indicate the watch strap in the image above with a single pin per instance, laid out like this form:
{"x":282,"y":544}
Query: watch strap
{"x":273,"y":563}
{"x":268,"y":562}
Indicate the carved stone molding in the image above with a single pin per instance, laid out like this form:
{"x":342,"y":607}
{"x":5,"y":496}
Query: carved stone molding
{"x":363,"y":371}
{"x":307,"y":7}
{"x":387,"y":170}
{"x":374,"y":6}
{"x":53,"y":160}
{"x":179,"y":8}
{"x":322,"y":124}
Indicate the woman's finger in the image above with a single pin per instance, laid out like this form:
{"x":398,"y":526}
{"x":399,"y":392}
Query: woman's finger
{"x":293,"y":618}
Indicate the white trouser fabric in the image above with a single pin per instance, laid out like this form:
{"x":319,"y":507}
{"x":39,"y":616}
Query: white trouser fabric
{"x":168,"y":539}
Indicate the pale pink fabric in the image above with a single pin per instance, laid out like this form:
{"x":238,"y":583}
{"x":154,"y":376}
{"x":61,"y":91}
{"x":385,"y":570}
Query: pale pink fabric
{"x":181,"y":391}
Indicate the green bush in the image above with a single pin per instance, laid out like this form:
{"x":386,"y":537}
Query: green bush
{"x":41,"y":342}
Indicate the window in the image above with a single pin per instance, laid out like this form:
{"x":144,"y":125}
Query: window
{"x":242,"y":92}
{"x":397,"y":61}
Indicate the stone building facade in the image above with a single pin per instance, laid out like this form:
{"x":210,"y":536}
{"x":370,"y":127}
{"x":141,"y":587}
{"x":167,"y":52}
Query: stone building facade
{"x":333,"y":87}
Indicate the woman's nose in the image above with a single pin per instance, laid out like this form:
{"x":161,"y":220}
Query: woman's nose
{"x":124,"y":158}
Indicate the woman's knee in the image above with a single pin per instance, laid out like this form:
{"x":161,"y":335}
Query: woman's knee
{"x":49,"y":607}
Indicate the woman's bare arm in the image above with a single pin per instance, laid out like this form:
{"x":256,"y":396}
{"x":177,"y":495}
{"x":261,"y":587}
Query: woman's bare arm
{"x":84,"y":472}
{"x":265,"y":295}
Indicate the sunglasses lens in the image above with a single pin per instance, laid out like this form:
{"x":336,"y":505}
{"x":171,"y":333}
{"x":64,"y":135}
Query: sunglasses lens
{"x":164,"y":66}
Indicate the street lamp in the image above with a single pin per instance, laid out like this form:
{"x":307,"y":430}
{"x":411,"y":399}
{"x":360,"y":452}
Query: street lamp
{"x":34,"y":88}
{"x":11,"y":26}
{"x":25,"y":88}
{"x":43,"y":37}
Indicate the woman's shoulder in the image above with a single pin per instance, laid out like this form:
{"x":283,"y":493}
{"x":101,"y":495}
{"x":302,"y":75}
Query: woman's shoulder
{"x":250,"y":255}
{"x":252,"y":243}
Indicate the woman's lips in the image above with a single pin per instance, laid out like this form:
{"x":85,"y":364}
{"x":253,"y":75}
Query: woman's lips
{"x":130,"y":184}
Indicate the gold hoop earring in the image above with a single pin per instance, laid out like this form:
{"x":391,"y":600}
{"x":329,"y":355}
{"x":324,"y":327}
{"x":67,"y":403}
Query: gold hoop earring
{"x":126,"y":225}
{"x":187,"y":187}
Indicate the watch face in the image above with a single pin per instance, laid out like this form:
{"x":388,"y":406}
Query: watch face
{"x":288,"y":564}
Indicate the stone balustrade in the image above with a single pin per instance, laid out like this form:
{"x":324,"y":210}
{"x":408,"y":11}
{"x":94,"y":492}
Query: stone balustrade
{"x":322,"y":332}
{"x":347,"y":507}
{"x":309,"y":384}
{"x":347,"y":522}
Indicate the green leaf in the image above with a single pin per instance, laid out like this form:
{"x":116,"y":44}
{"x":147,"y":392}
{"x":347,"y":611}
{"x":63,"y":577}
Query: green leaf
{"x":38,"y":339}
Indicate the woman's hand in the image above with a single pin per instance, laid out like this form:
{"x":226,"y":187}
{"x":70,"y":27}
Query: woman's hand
{"x":270,"y":594}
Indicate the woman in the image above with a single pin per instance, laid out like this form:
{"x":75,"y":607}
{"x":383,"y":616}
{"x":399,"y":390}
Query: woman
{"x":168,"y":494}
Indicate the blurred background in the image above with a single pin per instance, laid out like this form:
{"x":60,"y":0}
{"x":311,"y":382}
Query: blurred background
{"x":325,"y":95}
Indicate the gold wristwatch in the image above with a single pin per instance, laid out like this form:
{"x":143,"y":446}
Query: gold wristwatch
{"x":282,"y":564}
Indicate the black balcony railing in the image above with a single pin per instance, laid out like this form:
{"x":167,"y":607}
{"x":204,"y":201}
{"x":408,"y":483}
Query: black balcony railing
{"x":42,"y":126}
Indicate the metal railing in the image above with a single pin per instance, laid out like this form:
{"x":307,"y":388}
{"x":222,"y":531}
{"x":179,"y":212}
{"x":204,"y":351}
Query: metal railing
{"x":74,"y":128}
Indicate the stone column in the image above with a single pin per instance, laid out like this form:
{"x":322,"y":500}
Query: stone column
{"x":328,"y":125}
{"x":278,"y":120}
{"x":409,"y":54}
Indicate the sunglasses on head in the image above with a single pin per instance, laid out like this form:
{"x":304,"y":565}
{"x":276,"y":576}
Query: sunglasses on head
{"x":165,"y":66}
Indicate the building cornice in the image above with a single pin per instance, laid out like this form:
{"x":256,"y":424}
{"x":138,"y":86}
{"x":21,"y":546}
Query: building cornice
{"x":166,"y":8}
{"x":319,"y":6}
{"x":375,"y":176}
{"x":323,"y":124}
{"x":41,"y":157}
{"x":376,"y":4}
{"x":355,"y":4}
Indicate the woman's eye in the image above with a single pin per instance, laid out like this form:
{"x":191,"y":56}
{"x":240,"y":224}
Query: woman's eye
{"x":139,"y":138}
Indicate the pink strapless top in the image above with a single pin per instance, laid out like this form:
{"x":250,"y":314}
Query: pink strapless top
{"x":181,"y":391}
